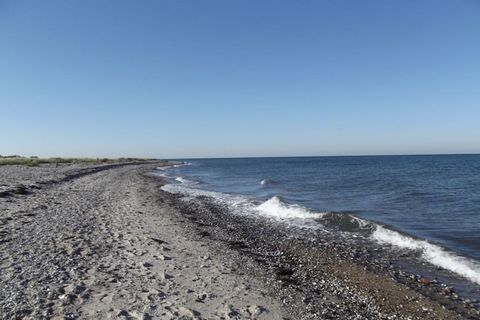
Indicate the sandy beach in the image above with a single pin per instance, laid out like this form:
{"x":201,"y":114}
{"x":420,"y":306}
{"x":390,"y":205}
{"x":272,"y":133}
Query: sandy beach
{"x":105,"y":242}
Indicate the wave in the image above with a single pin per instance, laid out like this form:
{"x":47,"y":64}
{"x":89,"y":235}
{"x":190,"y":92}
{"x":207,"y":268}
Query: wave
{"x":159,"y":173}
{"x":239,"y":204}
{"x":185,"y":181}
{"x":280,"y":210}
{"x":433,"y":254}
{"x":264,"y":181}
{"x":275,"y":207}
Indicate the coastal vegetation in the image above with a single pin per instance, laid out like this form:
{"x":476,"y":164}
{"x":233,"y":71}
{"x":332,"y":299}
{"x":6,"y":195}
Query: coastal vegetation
{"x":35,"y":161}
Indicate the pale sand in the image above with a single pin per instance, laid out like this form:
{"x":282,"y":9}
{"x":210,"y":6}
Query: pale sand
{"x":100,"y":247}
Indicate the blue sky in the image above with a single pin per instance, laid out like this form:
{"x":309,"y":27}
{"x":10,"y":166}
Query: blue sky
{"x":239,"y":78}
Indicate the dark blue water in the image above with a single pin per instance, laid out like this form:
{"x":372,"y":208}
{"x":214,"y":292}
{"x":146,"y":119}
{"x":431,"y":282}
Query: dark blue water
{"x":431,"y":197}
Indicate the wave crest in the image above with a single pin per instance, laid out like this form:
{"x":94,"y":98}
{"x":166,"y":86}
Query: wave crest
{"x":264,"y":182}
{"x":294,"y":213}
{"x":276,"y":208}
{"x":431,"y":253}
{"x":185,"y":181}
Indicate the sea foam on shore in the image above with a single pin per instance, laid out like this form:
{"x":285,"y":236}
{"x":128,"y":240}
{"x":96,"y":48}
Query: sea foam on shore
{"x":431,"y":253}
{"x":277,"y":209}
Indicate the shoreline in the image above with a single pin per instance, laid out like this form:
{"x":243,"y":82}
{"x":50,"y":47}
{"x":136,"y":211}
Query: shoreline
{"x":103,"y":246}
{"x":297,"y":260}
{"x":140,"y":252}
{"x":449,"y":272}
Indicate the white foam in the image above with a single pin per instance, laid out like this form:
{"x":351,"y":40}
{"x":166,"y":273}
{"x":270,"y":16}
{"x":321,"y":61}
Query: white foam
{"x":159,"y":174}
{"x":363,"y":224}
{"x":276,"y":208}
{"x":431,"y":253}
{"x":238,"y":203}
{"x":185,"y":181}
{"x":180,"y":188}
{"x":264,"y":182}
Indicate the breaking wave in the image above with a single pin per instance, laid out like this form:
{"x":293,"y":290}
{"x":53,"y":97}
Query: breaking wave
{"x":434,"y":254}
{"x":276,"y":208}
{"x":264,"y":182}
{"x":185,"y":181}
{"x":280,"y":210}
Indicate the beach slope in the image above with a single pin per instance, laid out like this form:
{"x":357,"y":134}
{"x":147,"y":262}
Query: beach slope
{"x":104,"y":242}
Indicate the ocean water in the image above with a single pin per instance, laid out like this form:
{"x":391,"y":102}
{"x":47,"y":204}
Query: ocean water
{"x":428,"y":204}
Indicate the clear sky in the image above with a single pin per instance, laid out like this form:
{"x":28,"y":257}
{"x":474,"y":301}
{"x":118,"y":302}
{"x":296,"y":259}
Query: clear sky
{"x":239,"y":77}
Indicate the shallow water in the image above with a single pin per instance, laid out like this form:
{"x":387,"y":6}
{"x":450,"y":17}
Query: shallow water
{"x":434,"y":201}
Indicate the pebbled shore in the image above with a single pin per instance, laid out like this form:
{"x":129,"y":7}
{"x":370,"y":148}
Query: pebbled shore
{"x":99,"y":244}
{"x":320,"y":275}
{"x":104,"y":242}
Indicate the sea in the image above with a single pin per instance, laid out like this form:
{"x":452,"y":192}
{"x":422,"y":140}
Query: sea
{"x":429,"y":204}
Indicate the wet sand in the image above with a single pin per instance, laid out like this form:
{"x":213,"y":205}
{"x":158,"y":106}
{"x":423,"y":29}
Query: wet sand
{"x":104,"y":242}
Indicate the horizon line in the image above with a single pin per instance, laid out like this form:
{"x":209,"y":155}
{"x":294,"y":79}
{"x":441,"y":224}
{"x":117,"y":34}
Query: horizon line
{"x":329,"y":156}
